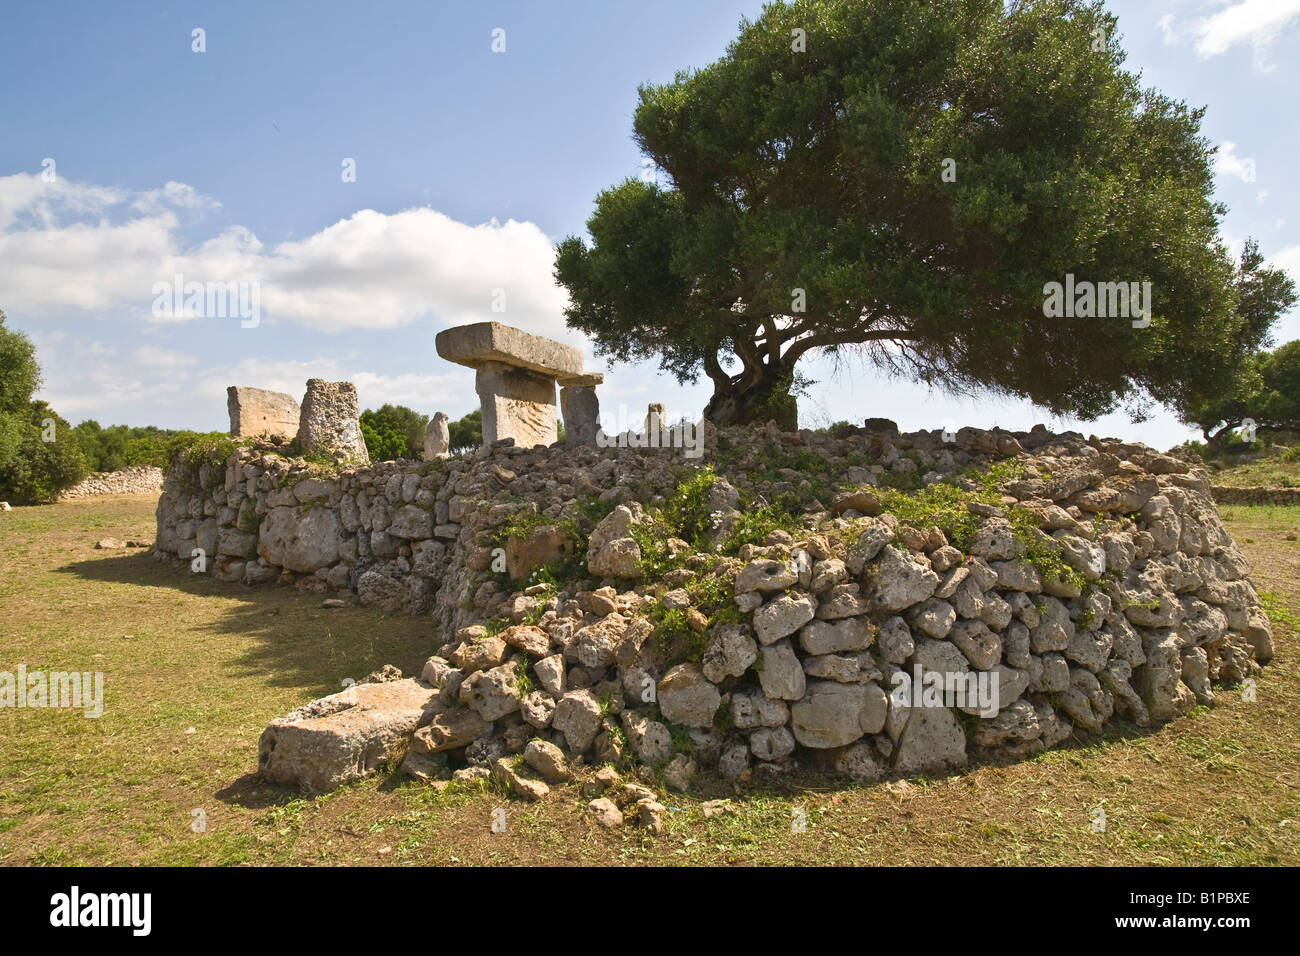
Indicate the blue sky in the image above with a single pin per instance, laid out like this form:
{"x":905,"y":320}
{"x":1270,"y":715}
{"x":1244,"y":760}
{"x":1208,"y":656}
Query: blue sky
{"x":470,"y":164}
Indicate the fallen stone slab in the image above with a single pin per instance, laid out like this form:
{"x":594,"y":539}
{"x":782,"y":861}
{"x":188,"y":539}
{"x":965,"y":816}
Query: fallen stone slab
{"x":342,"y":737}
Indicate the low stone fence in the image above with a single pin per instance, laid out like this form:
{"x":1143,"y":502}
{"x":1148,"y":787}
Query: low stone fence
{"x":134,"y":480}
{"x":861,"y":602}
{"x":1255,"y":496}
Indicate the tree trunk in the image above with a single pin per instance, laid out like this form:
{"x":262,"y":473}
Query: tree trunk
{"x":769,"y":400}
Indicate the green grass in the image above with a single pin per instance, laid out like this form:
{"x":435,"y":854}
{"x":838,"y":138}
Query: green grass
{"x":179,"y":651}
{"x":1267,"y":473}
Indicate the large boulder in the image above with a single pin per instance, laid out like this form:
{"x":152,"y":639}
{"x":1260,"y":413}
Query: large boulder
{"x":256,"y":412}
{"x":835,"y":715}
{"x":298,"y":539}
{"x":343,"y":737}
{"x":687,"y":697}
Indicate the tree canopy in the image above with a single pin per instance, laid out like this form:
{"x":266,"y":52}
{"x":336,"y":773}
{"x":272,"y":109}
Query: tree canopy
{"x":465,"y":434}
{"x":20,"y":376}
{"x":1267,"y":393}
{"x":389,"y":430}
{"x":901,"y":179}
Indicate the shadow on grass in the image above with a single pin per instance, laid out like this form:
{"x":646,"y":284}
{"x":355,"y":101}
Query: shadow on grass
{"x":294,"y":641}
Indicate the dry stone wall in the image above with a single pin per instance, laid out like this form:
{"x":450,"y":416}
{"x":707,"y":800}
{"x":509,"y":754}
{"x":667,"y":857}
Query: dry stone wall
{"x":1020,"y":589}
{"x":1258,"y":495}
{"x":132,"y":480}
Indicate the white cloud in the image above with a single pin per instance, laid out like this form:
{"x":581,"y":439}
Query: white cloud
{"x":371,"y":270}
{"x":1257,"y":22}
{"x":1228,"y":163}
{"x":89,"y":378}
{"x":1166,"y":24}
{"x":1288,"y":259}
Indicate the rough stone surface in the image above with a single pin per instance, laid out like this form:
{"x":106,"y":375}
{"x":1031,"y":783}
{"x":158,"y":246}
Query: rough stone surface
{"x":807,"y":623}
{"x":581,"y":410}
{"x":437,"y":437}
{"x":484,"y":343}
{"x":687,"y":697}
{"x":517,"y":404}
{"x":297,"y":541}
{"x":330,"y":421}
{"x":343,"y":737}
{"x":256,"y":412}
{"x":834,"y":714}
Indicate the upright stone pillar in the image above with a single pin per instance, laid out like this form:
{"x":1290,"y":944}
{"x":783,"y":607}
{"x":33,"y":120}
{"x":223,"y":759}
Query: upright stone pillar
{"x":581,"y":410}
{"x":516,"y":378}
{"x":437,"y":437}
{"x":330,"y":423}
{"x":517,"y":403}
{"x":654,"y":420}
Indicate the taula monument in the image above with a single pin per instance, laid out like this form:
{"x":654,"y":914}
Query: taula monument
{"x":515,"y":376}
{"x":853,"y":601}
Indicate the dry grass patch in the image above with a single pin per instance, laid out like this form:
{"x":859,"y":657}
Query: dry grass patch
{"x":180,"y":651}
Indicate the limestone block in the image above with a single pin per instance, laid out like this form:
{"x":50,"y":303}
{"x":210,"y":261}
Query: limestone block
{"x":437,"y":437}
{"x":517,"y":403}
{"x":486,"y":343}
{"x":342,"y":737}
{"x":256,"y":411}
{"x":581,"y":410}
{"x":330,"y":422}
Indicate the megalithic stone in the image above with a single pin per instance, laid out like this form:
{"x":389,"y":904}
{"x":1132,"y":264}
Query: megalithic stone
{"x":581,"y":410}
{"x":517,"y":403}
{"x":258,"y":412}
{"x":437,"y":437}
{"x":330,"y":423}
{"x":654,"y":420}
{"x":516,"y":377}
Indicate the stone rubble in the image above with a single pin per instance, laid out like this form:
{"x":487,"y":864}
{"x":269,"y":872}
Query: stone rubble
{"x":531,"y":686}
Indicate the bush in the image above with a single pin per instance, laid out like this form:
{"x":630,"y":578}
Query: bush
{"x":41,"y":469}
{"x":393,"y":431}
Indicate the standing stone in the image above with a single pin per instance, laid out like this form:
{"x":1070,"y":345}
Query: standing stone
{"x":581,"y":410}
{"x":517,"y":403}
{"x":654,"y":420}
{"x":437,"y":437}
{"x":330,"y":422}
{"x":256,"y":412}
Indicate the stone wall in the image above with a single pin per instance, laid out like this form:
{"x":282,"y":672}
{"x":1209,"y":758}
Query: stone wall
{"x":134,"y":480}
{"x":1255,"y":496}
{"x":1087,"y":581}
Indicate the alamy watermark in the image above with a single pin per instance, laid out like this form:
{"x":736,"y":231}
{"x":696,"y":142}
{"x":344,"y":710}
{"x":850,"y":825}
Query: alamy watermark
{"x":926,"y":688}
{"x":61,"y":689}
{"x":1102,"y":300}
{"x":652,"y":431}
{"x":209,"y":300}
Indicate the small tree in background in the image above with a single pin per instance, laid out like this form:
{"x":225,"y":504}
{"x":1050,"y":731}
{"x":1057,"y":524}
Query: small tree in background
{"x":466,"y":433}
{"x":1267,"y":393}
{"x":393,"y":431}
{"x":384,"y":438}
{"x":42,"y":468}
{"x":39,"y":452}
{"x":20,"y":376}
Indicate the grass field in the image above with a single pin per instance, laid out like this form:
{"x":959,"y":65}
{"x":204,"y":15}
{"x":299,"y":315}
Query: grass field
{"x":1265,"y":473}
{"x":194,"y":670}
